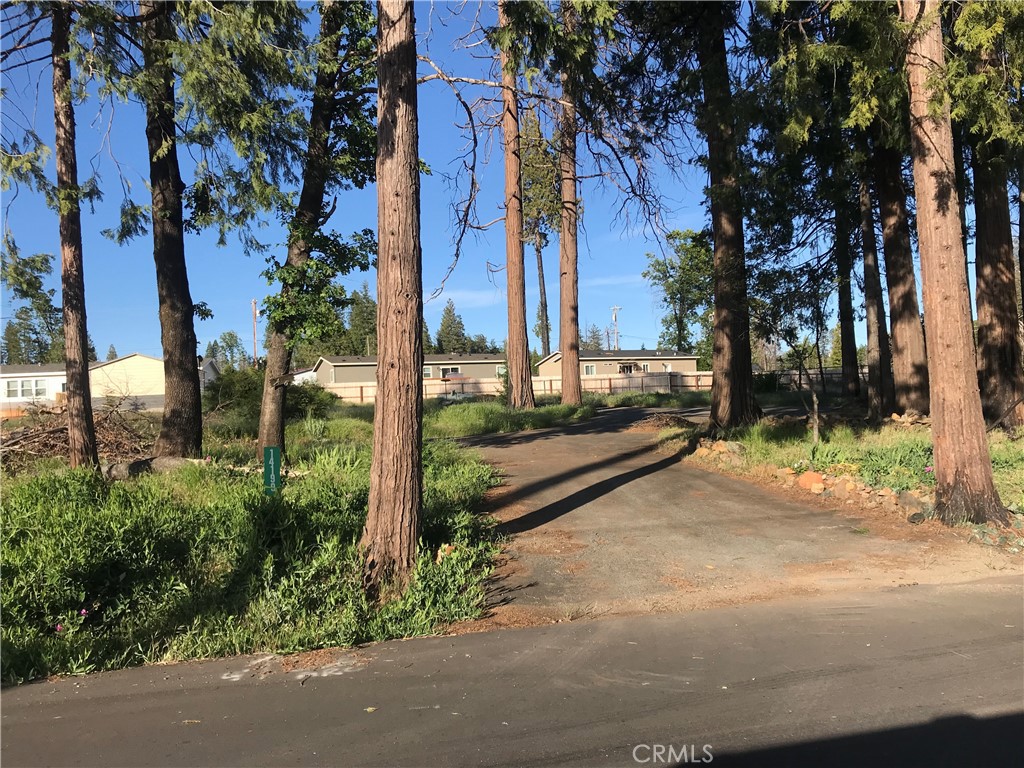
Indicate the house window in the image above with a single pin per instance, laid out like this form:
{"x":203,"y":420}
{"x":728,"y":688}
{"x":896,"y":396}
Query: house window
{"x":26,"y":387}
{"x":428,"y":372}
{"x":500,"y":370}
{"x":40,"y":387}
{"x":446,"y":372}
{"x":645,"y":367}
{"x":589,"y":370}
{"x":627,"y":368}
{"x":12,"y":389}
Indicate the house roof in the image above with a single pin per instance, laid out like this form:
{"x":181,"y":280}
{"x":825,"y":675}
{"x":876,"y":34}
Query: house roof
{"x":627,"y":355}
{"x":58,"y":368}
{"x":37,"y":368}
{"x":467,"y":357}
{"x":101,"y":363}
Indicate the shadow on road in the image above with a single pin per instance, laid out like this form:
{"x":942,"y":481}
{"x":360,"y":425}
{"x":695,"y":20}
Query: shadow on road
{"x":553,"y":511}
{"x":518,"y":493}
{"x":959,"y":741}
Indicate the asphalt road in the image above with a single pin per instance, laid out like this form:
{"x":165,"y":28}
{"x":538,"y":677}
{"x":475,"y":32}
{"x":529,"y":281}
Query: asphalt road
{"x":914,"y":676}
{"x":602,"y":523}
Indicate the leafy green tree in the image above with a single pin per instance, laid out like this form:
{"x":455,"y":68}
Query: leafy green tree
{"x":683,"y":280}
{"x":231,"y":351}
{"x":361,"y":334}
{"x":451,"y":333}
{"x":677,"y":68}
{"x":338,"y":155}
{"x":984,"y":77}
{"x":592,"y":338}
{"x":964,"y":488}
{"x":541,"y":209}
{"x":111,"y":353}
{"x":35,"y":334}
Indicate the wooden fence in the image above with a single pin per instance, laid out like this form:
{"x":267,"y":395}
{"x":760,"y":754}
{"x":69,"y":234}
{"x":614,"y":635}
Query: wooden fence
{"x":672,"y":381}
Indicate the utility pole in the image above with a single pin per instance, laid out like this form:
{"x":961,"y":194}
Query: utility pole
{"x":254,"y":332}
{"x":607,"y":339}
{"x":615,"y":325}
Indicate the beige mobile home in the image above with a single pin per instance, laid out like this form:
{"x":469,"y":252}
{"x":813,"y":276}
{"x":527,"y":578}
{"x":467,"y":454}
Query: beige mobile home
{"x":611,"y":362}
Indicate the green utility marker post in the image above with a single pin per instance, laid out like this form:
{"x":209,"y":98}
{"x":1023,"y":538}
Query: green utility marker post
{"x":271,"y":469}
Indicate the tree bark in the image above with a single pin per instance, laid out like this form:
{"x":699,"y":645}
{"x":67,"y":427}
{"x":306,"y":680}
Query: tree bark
{"x":964,"y":491}
{"x":181,"y":432}
{"x":81,"y":429}
{"x":847,"y":334}
{"x":305,"y":221}
{"x":568,"y":261}
{"x":961,"y":189}
{"x":542,"y":306}
{"x":881,"y":395}
{"x":388,"y":544}
{"x":732,"y":383}
{"x":517,"y":348}
{"x":909,"y":361}
{"x":1000,"y":370}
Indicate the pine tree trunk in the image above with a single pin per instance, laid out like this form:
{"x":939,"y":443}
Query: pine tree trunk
{"x":909,"y":361}
{"x":517,"y":347}
{"x":964,"y":491}
{"x":305,"y":221}
{"x":881,"y":395}
{"x":542,"y":306}
{"x":388,"y":544}
{"x":181,"y":432}
{"x":81,"y":430}
{"x":961,"y":190}
{"x":732,"y":383}
{"x":1000,"y":370}
{"x":568,"y":261}
{"x":275,"y":394}
{"x":847,"y":334}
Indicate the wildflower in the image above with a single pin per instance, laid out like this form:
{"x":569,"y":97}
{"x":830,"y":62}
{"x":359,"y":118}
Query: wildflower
{"x":83,"y":612}
{"x":60,"y":627}
{"x":928,"y":469}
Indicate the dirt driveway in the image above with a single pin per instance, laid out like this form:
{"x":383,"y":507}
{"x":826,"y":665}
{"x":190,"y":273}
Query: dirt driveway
{"x":602,"y":523}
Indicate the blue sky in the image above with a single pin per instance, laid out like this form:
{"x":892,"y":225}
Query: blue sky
{"x":120,"y":280}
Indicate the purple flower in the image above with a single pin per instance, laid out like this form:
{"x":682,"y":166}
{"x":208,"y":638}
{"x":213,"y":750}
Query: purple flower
{"x":927,"y":469}
{"x":60,"y":627}
{"x":83,"y":612}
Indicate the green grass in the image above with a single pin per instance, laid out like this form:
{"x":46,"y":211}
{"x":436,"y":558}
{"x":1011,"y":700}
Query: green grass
{"x":200,"y":563}
{"x":484,"y":418}
{"x":889,"y":457}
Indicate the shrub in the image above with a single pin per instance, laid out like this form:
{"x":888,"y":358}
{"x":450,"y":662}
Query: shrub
{"x":200,"y":563}
{"x":233,"y":400}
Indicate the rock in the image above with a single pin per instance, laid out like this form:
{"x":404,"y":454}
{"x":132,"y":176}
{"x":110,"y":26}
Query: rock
{"x":726,"y":446}
{"x":912,"y":503}
{"x":808,"y":479}
{"x":786,"y":471}
{"x":701,"y":452}
{"x":817,"y":488}
{"x":158,"y":464}
{"x":844,"y":489}
{"x":916,"y":518}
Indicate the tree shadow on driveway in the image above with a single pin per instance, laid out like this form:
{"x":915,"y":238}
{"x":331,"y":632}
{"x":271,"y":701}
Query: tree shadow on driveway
{"x":573,"y":501}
